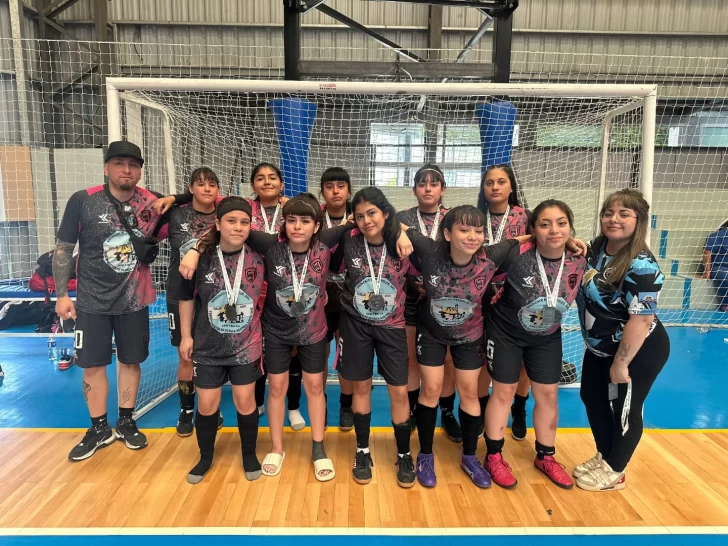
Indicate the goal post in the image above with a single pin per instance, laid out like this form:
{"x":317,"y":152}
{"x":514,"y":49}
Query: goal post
{"x":573,"y":142}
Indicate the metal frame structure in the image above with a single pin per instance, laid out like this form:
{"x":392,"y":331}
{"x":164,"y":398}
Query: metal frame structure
{"x":498,"y":13}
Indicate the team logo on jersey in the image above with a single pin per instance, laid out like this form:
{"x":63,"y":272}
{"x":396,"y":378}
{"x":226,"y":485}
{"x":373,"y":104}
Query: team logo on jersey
{"x":251,"y":274}
{"x":397,"y":265}
{"x":285,"y":298}
{"x":434,"y":279}
{"x":572,"y":280}
{"x":317,"y":266}
{"x":186,"y":247}
{"x":532,"y":316}
{"x":451,"y":311}
{"x":217,"y":313}
{"x":479,"y":283}
{"x":119,"y":252}
{"x":185,"y":227}
{"x":280,"y":270}
{"x":363,"y":293}
{"x":104,"y":219}
{"x":528,"y":282}
{"x":514,"y":231}
{"x":210,"y":278}
{"x":356,"y":262}
{"x":145,"y":216}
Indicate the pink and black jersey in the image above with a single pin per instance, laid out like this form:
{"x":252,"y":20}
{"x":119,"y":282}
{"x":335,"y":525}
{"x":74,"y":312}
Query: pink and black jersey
{"x":358,"y":290}
{"x":185,"y":226}
{"x":517,"y":224}
{"x":111,"y":281}
{"x":520,"y":303}
{"x":336,"y":280}
{"x":258,"y":224}
{"x":220,"y":341}
{"x":451,"y":310}
{"x":279,"y":316}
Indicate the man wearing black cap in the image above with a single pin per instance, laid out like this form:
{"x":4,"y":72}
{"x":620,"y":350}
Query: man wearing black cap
{"x":115,"y":289}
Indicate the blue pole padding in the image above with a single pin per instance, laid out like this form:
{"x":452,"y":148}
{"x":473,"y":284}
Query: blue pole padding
{"x":687,"y":292}
{"x":294,"y":119}
{"x":663,"y":243}
{"x":497,"y":122}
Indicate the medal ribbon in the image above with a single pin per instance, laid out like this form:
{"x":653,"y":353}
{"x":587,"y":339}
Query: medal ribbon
{"x":298,"y":282}
{"x":551,"y":294}
{"x":232,"y":293}
{"x":501,"y":227}
{"x":376,"y":280}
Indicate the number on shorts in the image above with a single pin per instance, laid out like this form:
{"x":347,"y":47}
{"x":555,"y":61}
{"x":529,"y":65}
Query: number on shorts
{"x":78,"y":339}
{"x":172,"y":326}
{"x":489,"y":349}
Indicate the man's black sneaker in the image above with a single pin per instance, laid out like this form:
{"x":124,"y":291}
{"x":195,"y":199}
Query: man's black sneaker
{"x":184,"y":424}
{"x":362,"y":470}
{"x":451,"y":426}
{"x":406,"y":472}
{"x":95,"y":438}
{"x":518,"y":425}
{"x":126,"y":429}
{"x":346,"y":419}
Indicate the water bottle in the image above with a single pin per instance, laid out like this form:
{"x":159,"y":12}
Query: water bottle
{"x":703,"y":330}
{"x":52,"y":350}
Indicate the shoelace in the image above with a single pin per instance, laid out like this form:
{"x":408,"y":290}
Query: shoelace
{"x":592,"y":463}
{"x":407,"y":460}
{"x":501,"y":465}
{"x":553,"y":464}
{"x":601,"y":476}
{"x":478,"y":469}
{"x":363,"y":458}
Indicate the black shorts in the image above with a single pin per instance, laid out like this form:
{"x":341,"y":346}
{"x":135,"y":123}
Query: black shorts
{"x":92,"y":338}
{"x":214,"y":377}
{"x":333,"y":319}
{"x":412,"y":296}
{"x":541,"y":355}
{"x":175,"y":334}
{"x":358,"y":342}
{"x":277,"y":355}
{"x":465,"y":356}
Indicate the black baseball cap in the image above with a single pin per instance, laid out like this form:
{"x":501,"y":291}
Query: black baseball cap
{"x":124,"y":148}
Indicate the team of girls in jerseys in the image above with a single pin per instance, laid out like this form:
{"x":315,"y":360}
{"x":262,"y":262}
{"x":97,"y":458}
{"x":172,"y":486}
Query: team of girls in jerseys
{"x":491,"y":285}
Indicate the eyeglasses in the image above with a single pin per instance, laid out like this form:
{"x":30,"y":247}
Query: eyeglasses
{"x":622,"y":215}
{"x":131,"y":218}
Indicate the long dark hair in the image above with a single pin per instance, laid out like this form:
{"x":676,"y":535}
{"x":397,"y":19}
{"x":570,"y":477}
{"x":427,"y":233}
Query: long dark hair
{"x":429,"y":172}
{"x":466,"y":215}
{"x":264,"y":165}
{"x":202,"y":173}
{"x":513,"y":200}
{"x":338,"y":174}
{"x":304,"y":204}
{"x":622,"y":260}
{"x":212,"y":238}
{"x":392,"y":229}
{"x":543,"y":205}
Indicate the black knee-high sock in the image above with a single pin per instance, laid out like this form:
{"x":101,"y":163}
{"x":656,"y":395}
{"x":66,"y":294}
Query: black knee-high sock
{"x":260,"y":390}
{"x":483,"y":403}
{"x":413,"y":396}
{"x":470,"y":425}
{"x":186,"y":395}
{"x":519,"y":404}
{"x":206,"y":429}
{"x":426,"y":419}
{"x":362,"y":425}
{"x":346,"y":400}
{"x":402,"y":432}
{"x":294,"y":384}
{"x":447,"y":403}
{"x":248,"y":430}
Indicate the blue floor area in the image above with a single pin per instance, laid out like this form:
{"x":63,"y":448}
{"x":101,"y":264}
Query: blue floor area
{"x":383,"y":540}
{"x":689,"y":394}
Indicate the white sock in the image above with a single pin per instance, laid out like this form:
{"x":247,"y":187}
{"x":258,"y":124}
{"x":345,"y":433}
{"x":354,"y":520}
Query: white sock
{"x":401,"y":455}
{"x":362,"y":449}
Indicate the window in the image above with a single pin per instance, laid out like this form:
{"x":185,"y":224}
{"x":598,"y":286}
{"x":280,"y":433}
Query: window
{"x":714,"y":135}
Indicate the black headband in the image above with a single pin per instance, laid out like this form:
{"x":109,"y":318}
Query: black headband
{"x":229,"y":206}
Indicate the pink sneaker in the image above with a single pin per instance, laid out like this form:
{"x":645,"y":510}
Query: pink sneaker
{"x":554,"y":470}
{"x":500,"y":471}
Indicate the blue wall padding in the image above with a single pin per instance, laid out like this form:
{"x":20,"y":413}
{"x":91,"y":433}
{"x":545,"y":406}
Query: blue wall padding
{"x":294,"y":119}
{"x":497,"y":121}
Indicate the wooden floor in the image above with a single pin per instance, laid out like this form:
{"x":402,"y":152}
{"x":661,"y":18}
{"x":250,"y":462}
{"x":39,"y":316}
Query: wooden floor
{"x":675,"y":479}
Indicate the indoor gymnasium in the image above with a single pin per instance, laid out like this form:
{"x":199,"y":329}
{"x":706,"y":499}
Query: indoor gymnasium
{"x":402,"y":182}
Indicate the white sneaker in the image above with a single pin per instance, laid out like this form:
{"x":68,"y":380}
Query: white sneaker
{"x":296,"y":419}
{"x":601,"y":478}
{"x":588,"y":466}
{"x":261,"y":410}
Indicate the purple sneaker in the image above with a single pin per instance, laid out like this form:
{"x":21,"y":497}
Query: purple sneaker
{"x":426,"y":469}
{"x":472,"y":467}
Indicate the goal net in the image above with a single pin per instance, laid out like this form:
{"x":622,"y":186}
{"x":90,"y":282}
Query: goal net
{"x":573,"y":143}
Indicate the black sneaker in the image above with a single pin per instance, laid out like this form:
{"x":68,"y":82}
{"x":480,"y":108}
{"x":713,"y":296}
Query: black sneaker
{"x":95,"y":438}
{"x":518,"y":425}
{"x":346,"y":419}
{"x":451,"y":426}
{"x":220,"y":421}
{"x":362,"y":470}
{"x":406,"y":472}
{"x":184,"y":424}
{"x":126,"y":429}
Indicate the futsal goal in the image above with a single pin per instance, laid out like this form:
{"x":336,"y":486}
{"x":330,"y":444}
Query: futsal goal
{"x":382,"y":133}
